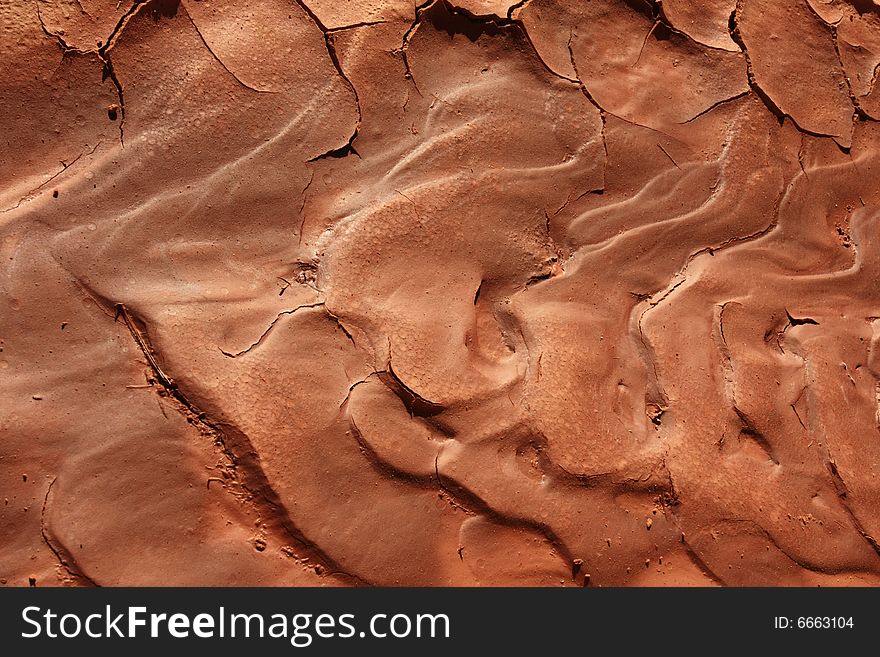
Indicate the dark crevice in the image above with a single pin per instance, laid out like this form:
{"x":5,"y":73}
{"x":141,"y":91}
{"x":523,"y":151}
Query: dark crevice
{"x":538,"y":278}
{"x":447,"y":17}
{"x":859,"y":113}
{"x":662,"y":28}
{"x":798,"y":415}
{"x":456,"y":20}
{"x":666,"y":153}
{"x":700,"y":563}
{"x":268,"y":330}
{"x":329,"y":41}
{"x":724,"y":101}
{"x":108,"y":72}
{"x":234,"y":443}
{"x":339,"y":324}
{"x":602,"y":113}
{"x":477,"y":293}
{"x":357,"y":383}
{"x":354,"y":26}
{"x":861,"y":6}
{"x":733,"y":30}
{"x":469,"y":501}
{"x":243,"y":461}
{"x":158,"y":9}
{"x":749,"y":430}
{"x":407,"y":37}
{"x":800,"y":321}
{"x":514,"y":8}
{"x":417,"y":405}
{"x":386,"y":470}
{"x":781,"y":116}
{"x":865,"y":7}
{"x":642,"y":7}
{"x":338,"y":153}
{"x":457,"y":495}
{"x":101,"y":52}
{"x":598,"y":191}
{"x":65,"y":559}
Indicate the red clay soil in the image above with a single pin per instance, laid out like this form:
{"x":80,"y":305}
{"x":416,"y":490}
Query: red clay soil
{"x":310,"y":292}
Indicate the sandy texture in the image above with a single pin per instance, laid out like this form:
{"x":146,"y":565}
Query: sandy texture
{"x":482,"y":293}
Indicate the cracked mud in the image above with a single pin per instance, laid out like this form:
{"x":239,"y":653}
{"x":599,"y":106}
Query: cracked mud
{"x":474,"y":292}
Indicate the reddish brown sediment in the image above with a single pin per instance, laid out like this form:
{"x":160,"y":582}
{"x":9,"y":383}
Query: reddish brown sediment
{"x":441,"y":293}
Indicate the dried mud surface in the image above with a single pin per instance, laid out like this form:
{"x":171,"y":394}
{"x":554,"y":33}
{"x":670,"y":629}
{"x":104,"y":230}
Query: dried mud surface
{"x":308,"y":292}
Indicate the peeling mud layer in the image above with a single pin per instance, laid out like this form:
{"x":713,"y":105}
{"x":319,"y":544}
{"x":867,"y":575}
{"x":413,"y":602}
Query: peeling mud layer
{"x":310,"y":292}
